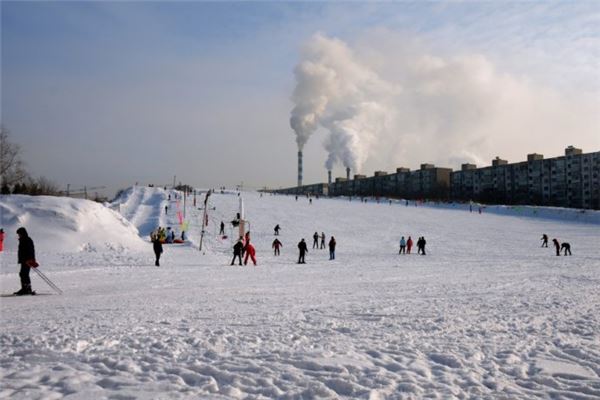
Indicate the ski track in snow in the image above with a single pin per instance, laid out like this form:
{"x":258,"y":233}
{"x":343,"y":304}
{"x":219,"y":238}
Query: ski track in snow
{"x":487,"y":314}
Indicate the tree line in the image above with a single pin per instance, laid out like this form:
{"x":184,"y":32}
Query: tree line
{"x":14,"y":177}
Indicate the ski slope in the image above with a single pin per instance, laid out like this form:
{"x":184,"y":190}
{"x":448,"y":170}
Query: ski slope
{"x":486,"y":314}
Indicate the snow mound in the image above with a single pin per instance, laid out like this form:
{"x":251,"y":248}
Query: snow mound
{"x":61,"y":224}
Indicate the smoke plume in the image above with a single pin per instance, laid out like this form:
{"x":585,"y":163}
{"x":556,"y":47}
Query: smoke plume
{"x":390,"y":100}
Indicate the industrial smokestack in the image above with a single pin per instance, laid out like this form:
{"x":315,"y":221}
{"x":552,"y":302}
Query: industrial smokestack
{"x":299,"y":168}
{"x":348,"y":173}
{"x":329,"y":177}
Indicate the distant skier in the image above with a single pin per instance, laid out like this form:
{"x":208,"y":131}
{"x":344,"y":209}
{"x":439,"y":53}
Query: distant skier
{"x":421,"y":245}
{"x":332,"y":244}
{"x":322,"y":240}
{"x":158,"y":249}
{"x":1,"y":240}
{"x":566,"y":247}
{"x":250,"y":252}
{"x":556,"y":246}
{"x":183,"y":236}
{"x":409,"y":245}
{"x":170,"y":235}
{"x":25,"y":255}
{"x":237,"y":251}
{"x":545,"y":240}
{"x":276,"y":230}
{"x":402,"y":246}
{"x":316,"y":240}
{"x":309,"y":201}
{"x":303,"y":250}
{"x":222,"y":231}
{"x":166,"y":209}
{"x":276,"y":245}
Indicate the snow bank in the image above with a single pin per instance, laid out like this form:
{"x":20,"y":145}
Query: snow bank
{"x":62,"y":224}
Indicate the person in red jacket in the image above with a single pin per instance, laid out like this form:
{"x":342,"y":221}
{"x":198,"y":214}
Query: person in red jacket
{"x":409,"y":244}
{"x":1,"y":239}
{"x":250,"y":252}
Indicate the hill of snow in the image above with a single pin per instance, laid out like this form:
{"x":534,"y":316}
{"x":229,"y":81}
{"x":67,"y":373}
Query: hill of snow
{"x":487,"y":313}
{"x":62,"y":224}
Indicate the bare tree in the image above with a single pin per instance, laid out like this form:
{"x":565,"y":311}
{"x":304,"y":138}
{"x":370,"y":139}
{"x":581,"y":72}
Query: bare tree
{"x":11,"y":166}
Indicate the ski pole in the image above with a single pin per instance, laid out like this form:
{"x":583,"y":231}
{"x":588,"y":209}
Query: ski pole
{"x":48,"y":281}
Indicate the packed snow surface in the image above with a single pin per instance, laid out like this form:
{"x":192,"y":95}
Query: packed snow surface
{"x":486,"y":314}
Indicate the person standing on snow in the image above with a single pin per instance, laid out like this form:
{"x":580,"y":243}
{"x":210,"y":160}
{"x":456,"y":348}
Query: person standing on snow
{"x":222,"y":231}
{"x":237,"y":251}
{"x":276,"y":230}
{"x":402,"y":246}
{"x":276,"y":245}
{"x":1,"y":240}
{"x":303,"y":250}
{"x":316,"y":240}
{"x":250,"y":252}
{"x":409,"y":245}
{"x":545,"y":240}
{"x":166,"y":209}
{"x":322,"y":240}
{"x":556,"y":246}
{"x":566,"y":247}
{"x":332,"y":244}
{"x":26,"y":254}
{"x":158,"y":249}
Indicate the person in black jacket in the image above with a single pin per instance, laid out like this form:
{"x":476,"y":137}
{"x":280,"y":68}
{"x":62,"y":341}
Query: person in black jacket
{"x":566,"y":247}
{"x":332,"y":244}
{"x":158,"y":249}
{"x":237,"y":251}
{"x":316,"y":240}
{"x":303,"y":250}
{"x":25,"y":254}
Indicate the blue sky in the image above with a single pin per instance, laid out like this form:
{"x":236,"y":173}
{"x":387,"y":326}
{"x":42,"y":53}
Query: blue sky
{"x":110,"y":93}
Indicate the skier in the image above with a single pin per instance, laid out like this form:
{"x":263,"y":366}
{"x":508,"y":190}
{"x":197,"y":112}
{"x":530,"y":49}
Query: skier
{"x":566,"y":247}
{"x":250,"y":252}
{"x":309,"y":201}
{"x":276,"y":245}
{"x":303,"y":250}
{"x":402,"y":246}
{"x":276,"y":230}
{"x":316,"y":240}
{"x":158,"y":249}
{"x":183,"y":236}
{"x":409,"y":245}
{"x":169,"y":235}
{"x":556,"y":246}
{"x":237,"y":251}
{"x":332,"y":244}
{"x":222,"y":231}
{"x":26,"y":254}
{"x":1,"y":240}
{"x":166,"y":209}
{"x":421,"y":245}
{"x":322,"y":240}
{"x":545,"y":240}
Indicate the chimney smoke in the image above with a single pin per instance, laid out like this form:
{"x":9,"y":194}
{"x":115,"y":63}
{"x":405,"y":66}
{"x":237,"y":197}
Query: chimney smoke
{"x":348,"y":173}
{"x":299,"y":168}
{"x":329,"y":177}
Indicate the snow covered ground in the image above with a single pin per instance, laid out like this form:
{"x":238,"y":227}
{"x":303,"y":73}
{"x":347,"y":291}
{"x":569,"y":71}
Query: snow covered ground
{"x":486,"y":313}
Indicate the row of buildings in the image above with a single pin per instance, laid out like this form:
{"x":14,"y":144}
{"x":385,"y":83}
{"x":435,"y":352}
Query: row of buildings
{"x":572,"y":180}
